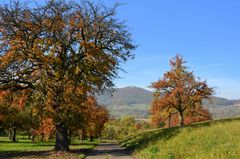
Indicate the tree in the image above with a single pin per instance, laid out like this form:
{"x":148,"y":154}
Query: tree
{"x":45,"y":129}
{"x":70,"y":49}
{"x":161,"y":112}
{"x":109,"y":131}
{"x":12,"y":111}
{"x":180,"y":90}
{"x":96,"y":116}
{"x":124,"y":126}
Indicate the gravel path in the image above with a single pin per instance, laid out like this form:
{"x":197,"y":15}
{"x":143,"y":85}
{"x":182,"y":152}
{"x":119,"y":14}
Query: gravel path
{"x":109,"y":151}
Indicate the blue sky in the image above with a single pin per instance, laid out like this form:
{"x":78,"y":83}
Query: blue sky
{"x":205,"y":32}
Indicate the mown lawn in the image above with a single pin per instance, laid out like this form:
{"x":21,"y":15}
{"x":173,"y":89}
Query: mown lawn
{"x":24,"y":149}
{"x":210,"y":140}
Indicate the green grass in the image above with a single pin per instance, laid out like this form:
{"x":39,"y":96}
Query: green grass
{"x":211,"y":140}
{"x":24,"y":148}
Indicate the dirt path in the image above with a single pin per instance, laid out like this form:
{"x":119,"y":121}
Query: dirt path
{"x":109,"y":151}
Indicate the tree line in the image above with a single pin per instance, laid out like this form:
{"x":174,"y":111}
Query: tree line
{"x":20,"y":114}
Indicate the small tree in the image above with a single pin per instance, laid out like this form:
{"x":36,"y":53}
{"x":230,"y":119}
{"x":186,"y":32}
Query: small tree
{"x":180,"y":90}
{"x":95,"y":117}
{"x":13,"y":112}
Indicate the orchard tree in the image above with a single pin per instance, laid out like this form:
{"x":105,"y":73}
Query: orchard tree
{"x":95,"y":118}
{"x":126,"y":126}
{"x":161,"y":111}
{"x":181,"y":91}
{"x":70,"y":49}
{"x":12,"y":111}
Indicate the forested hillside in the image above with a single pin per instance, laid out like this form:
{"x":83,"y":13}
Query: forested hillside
{"x":127,"y":96}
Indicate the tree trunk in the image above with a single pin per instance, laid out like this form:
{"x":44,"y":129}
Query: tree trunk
{"x":181,"y":118}
{"x":33,"y":138}
{"x":100,"y":136}
{"x":82,"y":135}
{"x":69,"y":137}
{"x":61,"y":143}
{"x":42,"y":137}
{"x":14,"y":131}
{"x":91,"y":138}
{"x":169,"y":120}
{"x":32,"y":134}
{"x":10,"y":134}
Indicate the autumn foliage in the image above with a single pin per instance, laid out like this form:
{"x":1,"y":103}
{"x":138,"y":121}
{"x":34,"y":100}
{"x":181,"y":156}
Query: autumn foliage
{"x":179,"y":96}
{"x":95,"y":116}
{"x":61,"y":51}
{"x":12,"y":111}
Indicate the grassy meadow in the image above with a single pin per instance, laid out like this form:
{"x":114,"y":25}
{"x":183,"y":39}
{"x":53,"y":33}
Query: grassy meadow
{"x":210,"y":140}
{"x":24,"y":148}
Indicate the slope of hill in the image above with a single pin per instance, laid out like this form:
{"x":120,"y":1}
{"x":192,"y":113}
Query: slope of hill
{"x":236,"y":101}
{"x":127,"y":96}
{"x":217,"y":139}
{"x":217,"y":102}
{"x":131,"y":100}
{"x":136,"y":102}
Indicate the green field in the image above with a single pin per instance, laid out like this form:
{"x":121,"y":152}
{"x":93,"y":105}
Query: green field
{"x":24,"y":149}
{"x":211,"y":140}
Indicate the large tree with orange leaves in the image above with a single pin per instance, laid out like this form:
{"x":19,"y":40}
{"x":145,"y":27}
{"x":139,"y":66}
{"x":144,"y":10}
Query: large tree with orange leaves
{"x":63,"y":50}
{"x":181,"y":91}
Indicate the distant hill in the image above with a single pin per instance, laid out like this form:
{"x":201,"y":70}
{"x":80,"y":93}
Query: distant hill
{"x":127,"y":96}
{"x":136,"y":101}
{"x":217,"y":102}
{"x":237,"y":101}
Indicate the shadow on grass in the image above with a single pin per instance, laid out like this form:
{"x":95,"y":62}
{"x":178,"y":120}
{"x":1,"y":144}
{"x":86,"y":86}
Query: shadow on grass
{"x":143,"y":139}
{"x":17,"y":154}
{"x":42,"y":144}
{"x":38,"y":154}
{"x":32,"y":144}
{"x":42,"y":153}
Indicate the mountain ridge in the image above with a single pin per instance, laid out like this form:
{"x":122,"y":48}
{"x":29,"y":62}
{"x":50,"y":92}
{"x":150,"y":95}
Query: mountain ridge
{"x":136,"y":101}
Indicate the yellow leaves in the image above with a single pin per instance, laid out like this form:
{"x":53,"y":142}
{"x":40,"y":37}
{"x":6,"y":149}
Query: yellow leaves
{"x":35,"y":112}
{"x":77,"y":69}
{"x":17,"y":43}
{"x":47,"y":22}
{"x":80,"y":24}
{"x":10,"y":56}
{"x":95,"y":115}
{"x":27,"y":14}
{"x":46,"y":127}
{"x":91,"y":50}
{"x":88,"y":45}
{"x":72,"y":22}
